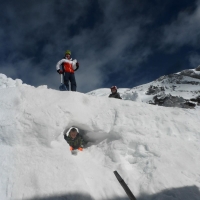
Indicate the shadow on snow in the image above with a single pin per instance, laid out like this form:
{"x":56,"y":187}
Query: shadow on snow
{"x":183,"y":193}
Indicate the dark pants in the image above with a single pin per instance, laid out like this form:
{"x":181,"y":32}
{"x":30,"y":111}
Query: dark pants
{"x":70,"y":77}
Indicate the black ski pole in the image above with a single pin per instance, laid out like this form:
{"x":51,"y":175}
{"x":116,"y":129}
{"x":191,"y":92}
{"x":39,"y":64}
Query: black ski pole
{"x":124,"y":185}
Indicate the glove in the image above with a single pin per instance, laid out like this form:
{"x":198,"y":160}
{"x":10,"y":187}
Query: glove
{"x":60,"y":71}
{"x":80,"y":149}
{"x":71,"y":148}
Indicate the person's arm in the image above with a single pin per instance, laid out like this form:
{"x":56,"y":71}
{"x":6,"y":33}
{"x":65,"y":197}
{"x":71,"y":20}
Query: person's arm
{"x":77,"y":66}
{"x":81,"y":143}
{"x":58,"y":65}
{"x":68,"y":140}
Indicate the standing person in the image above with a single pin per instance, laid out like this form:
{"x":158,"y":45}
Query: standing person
{"x":68,"y":67}
{"x":114,"y":93}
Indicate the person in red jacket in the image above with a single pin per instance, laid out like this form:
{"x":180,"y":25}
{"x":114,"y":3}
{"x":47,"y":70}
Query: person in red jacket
{"x":67,"y":66}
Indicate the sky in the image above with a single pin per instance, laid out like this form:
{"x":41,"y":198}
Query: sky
{"x":119,"y":42}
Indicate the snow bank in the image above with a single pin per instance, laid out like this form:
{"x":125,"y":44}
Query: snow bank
{"x":153,"y":148}
{"x":8,"y":82}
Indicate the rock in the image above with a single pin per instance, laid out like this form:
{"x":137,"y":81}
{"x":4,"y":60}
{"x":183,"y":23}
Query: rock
{"x":197,"y":99}
{"x":198,"y":68}
{"x":190,"y":73}
{"x":172,"y":101}
{"x":154,"y":90}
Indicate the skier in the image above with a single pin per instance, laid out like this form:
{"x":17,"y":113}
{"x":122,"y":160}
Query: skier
{"x":74,"y":139}
{"x":114,"y":93}
{"x":68,"y":68}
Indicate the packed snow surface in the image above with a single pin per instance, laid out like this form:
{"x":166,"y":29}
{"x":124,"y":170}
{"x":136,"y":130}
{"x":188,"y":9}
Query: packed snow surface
{"x":155,"y":149}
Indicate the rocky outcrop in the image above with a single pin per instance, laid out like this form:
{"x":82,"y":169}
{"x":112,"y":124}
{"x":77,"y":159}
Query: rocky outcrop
{"x":197,"y":100}
{"x":177,"y":79}
{"x":191,"y":73}
{"x":172,"y":101}
{"x":171,"y":78}
{"x":198,"y":68}
{"x":154,"y":90}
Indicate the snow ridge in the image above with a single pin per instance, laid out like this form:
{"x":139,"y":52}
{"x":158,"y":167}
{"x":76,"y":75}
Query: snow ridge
{"x":155,"y":149}
{"x":8,"y":82}
{"x":176,"y":90}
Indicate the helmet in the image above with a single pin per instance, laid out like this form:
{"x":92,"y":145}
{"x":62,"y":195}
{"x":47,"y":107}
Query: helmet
{"x":68,"y":52}
{"x":114,"y":87}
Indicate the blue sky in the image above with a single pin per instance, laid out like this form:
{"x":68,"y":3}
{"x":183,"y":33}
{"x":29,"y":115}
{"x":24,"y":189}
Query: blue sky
{"x":117,"y":42}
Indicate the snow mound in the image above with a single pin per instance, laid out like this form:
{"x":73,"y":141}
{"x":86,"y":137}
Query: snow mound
{"x":8,"y":82}
{"x":155,"y":149}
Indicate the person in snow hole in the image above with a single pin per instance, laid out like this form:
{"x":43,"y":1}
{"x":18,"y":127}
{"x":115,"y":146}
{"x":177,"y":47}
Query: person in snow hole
{"x":68,"y":67}
{"x":114,"y":93}
{"x":74,"y":139}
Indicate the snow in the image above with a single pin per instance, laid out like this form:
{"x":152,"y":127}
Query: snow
{"x":183,"y":88}
{"x":8,"y":82}
{"x":155,"y":149}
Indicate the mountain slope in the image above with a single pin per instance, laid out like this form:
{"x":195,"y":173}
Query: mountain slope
{"x":176,"y":90}
{"x":155,"y":149}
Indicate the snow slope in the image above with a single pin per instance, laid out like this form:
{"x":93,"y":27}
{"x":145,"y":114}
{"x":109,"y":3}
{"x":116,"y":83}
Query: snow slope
{"x":155,"y":149}
{"x":185,"y":84}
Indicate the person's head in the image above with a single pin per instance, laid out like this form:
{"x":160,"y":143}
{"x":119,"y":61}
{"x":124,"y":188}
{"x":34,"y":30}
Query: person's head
{"x":68,"y":54}
{"x":113,"y":89}
{"x":73,"y":133}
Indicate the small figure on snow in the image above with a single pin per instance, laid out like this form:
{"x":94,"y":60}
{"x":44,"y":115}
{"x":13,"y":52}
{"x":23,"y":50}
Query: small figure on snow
{"x":68,"y":67}
{"x":74,"y":139}
{"x":114,"y":93}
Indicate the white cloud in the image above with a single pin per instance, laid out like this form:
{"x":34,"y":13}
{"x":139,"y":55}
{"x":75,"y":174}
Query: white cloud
{"x":185,"y":30}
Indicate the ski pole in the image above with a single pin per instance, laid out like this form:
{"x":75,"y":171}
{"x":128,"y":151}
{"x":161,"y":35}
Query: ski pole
{"x":61,"y":78}
{"x":124,"y":185}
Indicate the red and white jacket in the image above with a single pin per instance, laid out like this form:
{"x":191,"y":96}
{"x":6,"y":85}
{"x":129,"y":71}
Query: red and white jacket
{"x":68,"y":65}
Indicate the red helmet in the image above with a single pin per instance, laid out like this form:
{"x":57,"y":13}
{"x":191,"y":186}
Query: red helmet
{"x":114,"y":87}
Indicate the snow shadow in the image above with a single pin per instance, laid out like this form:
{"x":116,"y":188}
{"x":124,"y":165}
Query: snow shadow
{"x":75,"y":196}
{"x":183,"y":193}
{"x":70,"y":196}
